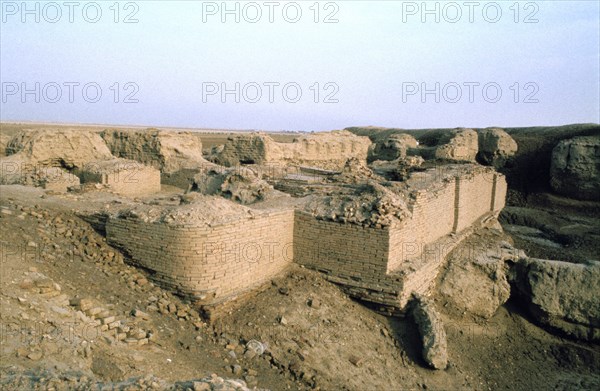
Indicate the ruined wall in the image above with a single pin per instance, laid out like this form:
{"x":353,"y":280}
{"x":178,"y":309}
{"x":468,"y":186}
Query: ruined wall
{"x":218,"y":259}
{"x":432,"y":218}
{"x":246,"y":149}
{"x":434,"y":212}
{"x":122,"y":176}
{"x":167,"y":151}
{"x":211,"y":264}
{"x":349,"y":250}
{"x":346,"y":249}
{"x":68,"y":148}
{"x":500,"y":186}
{"x":328,"y":150}
{"x":475,"y":199}
{"x":55,"y":179}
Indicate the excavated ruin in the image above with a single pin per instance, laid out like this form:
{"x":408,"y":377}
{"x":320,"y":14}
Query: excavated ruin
{"x":399,"y":222}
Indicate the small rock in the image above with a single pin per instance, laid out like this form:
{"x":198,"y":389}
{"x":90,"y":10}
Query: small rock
{"x":26,"y":284}
{"x":142,"y":281}
{"x":355,"y":360}
{"x":35,"y":356}
{"x":140,"y":314}
{"x":284,"y":291}
{"x":314,"y":303}
{"x":201,"y":386}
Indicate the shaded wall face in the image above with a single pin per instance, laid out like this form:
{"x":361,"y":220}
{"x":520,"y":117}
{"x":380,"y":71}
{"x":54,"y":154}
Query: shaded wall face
{"x":475,"y":197}
{"x":131,"y":179}
{"x":212,"y":264}
{"x":453,"y":208}
{"x":343,"y":249}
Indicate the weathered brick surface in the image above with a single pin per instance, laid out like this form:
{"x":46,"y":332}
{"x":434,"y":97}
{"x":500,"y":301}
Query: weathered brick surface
{"x":329,"y":149}
{"x":348,"y":250}
{"x":210,"y":264}
{"x":475,"y":198}
{"x":122,"y":176}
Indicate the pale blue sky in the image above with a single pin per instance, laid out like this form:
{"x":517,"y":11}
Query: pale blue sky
{"x":370,"y":54}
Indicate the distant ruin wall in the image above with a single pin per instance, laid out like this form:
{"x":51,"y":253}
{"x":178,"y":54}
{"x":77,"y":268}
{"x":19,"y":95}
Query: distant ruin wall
{"x":122,"y":176}
{"x":167,"y":151}
{"x":246,"y":149}
{"x":210,"y":264}
{"x":328,"y":150}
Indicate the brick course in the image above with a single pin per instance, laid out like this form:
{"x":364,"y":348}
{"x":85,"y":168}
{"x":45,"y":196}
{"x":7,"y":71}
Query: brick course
{"x":212,"y":264}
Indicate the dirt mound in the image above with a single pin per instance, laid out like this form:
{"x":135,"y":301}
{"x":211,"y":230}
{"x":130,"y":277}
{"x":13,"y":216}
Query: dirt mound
{"x":529,"y":170}
{"x":562,"y":295}
{"x":66,"y":148}
{"x":575,"y":168}
{"x":33,"y":154}
{"x":354,"y":171}
{"x":495,"y":147}
{"x":166,"y":150}
{"x":399,"y":169}
{"x":475,"y":278}
{"x":463,"y":146}
{"x":306,"y":325}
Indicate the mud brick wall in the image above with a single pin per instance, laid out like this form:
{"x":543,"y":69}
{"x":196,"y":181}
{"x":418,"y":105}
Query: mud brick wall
{"x":246,"y":149}
{"x":130,"y":179}
{"x":320,"y":149}
{"x":367,"y":253}
{"x":433,"y":216}
{"x":500,"y":187}
{"x":340,"y":249}
{"x":475,"y":199}
{"x":135,"y":181}
{"x":434,"y":212}
{"x":208,"y":264}
{"x":167,"y":151}
{"x":316,"y":149}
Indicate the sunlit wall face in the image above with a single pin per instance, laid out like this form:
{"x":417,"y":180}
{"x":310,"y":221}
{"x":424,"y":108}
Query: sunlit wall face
{"x":302,"y":65}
